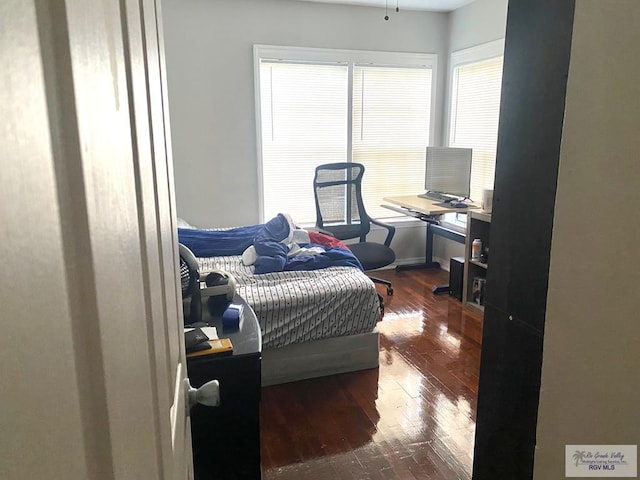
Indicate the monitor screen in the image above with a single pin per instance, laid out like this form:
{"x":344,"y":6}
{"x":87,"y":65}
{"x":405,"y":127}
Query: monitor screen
{"x":448,"y":171}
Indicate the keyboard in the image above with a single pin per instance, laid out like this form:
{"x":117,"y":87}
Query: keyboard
{"x":435,"y":196}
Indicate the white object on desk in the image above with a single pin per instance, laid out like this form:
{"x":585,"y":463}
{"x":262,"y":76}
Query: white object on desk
{"x":487,"y":200}
{"x":210,"y":332}
{"x":218,"y":283}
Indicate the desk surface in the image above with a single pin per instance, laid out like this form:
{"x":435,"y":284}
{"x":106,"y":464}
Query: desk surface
{"x":246,"y":340}
{"x":424,"y":205}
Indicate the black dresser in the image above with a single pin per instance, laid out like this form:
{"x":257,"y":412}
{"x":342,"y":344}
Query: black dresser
{"x":226,"y":439}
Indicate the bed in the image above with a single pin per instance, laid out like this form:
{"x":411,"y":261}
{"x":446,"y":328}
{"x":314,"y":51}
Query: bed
{"x":314,"y":322}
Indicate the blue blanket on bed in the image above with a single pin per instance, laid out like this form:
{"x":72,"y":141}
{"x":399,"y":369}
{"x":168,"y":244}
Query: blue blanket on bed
{"x":332,"y":257}
{"x":268,"y":241}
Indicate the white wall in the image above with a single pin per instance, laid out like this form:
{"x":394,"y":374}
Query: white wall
{"x":590,"y":382}
{"x":211,"y":92}
{"x":479,"y":22}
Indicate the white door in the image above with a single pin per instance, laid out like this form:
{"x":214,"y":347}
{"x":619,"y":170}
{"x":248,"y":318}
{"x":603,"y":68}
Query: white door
{"x":92,"y":367}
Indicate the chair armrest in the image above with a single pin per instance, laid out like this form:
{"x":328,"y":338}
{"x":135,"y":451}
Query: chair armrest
{"x":390,"y":228}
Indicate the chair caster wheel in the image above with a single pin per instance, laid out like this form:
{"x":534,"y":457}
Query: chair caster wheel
{"x":389,"y":290}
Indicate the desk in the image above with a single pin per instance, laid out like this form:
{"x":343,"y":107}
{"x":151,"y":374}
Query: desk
{"x":413,"y":205}
{"x":428,"y":211}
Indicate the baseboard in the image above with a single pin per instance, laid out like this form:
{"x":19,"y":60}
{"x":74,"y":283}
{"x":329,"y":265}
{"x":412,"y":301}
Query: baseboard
{"x":407,"y":261}
{"x":444,"y":262}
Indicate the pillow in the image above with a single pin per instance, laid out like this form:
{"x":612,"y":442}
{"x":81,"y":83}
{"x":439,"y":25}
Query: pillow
{"x":184,"y":224}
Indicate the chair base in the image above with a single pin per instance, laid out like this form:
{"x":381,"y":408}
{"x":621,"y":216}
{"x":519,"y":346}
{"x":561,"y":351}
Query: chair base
{"x":383,"y":282}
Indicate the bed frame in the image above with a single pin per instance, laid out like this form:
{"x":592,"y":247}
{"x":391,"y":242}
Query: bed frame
{"x":329,"y":356}
{"x":311,"y":359}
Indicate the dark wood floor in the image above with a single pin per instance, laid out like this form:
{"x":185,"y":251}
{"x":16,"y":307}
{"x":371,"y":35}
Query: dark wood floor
{"x":413,"y":418}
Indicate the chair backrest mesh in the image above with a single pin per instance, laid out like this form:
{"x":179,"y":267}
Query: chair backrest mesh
{"x":188,"y":271}
{"x":185,"y":277}
{"x":338,"y":195}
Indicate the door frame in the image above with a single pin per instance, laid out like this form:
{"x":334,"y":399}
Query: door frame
{"x":94,"y":368}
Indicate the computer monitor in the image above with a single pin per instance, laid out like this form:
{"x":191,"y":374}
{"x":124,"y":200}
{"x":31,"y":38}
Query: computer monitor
{"x":448,"y":172}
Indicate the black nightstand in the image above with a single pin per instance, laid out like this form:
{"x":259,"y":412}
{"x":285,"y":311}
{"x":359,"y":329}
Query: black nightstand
{"x":226,"y":439}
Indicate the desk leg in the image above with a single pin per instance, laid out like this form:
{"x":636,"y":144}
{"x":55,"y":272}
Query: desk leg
{"x":438,"y":289}
{"x":429,"y":263}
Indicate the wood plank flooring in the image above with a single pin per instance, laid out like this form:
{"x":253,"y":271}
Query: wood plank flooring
{"x":413,"y":418}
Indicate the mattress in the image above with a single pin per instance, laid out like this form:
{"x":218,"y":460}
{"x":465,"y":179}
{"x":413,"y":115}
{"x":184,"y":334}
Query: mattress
{"x":301,"y":306}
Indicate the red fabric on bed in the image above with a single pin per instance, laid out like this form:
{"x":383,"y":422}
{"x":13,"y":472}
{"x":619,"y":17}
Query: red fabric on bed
{"x":326,"y":240}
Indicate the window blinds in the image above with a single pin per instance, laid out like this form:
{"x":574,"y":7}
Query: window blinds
{"x":304,"y":122}
{"x":475,"y":108}
{"x":391,"y":115}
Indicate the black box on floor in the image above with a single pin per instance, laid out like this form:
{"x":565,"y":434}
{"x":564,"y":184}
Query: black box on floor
{"x":456,"y":274}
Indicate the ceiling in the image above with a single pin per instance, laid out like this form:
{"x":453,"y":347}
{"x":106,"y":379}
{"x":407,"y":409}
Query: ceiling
{"x":430,"y":5}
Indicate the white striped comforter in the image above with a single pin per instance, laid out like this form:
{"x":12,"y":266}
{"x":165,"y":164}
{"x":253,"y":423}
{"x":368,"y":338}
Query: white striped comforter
{"x":296,"y":307}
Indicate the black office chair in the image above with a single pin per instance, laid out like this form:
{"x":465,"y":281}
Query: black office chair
{"x":190,"y":284}
{"x":340,"y":211}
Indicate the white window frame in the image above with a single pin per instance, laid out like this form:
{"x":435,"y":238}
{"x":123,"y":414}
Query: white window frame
{"x":477,"y":53}
{"x":348,"y":57}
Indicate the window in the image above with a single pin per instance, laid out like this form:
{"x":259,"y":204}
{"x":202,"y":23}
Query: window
{"x":322,"y":106}
{"x":476,"y":81}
